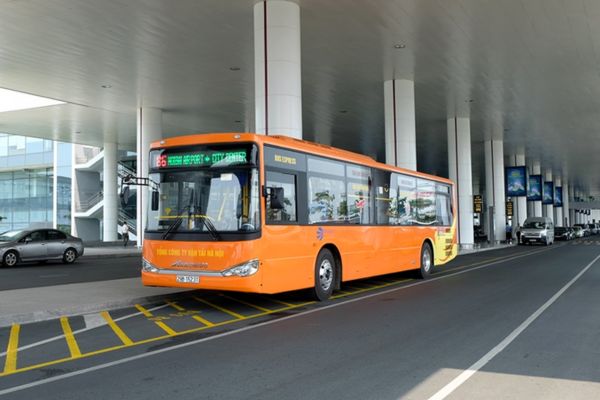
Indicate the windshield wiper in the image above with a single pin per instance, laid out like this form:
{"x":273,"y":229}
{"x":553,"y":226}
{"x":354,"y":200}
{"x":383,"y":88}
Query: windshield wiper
{"x":210,"y":227}
{"x":175,"y":224}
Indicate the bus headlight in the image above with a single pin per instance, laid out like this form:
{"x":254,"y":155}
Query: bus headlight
{"x":245,"y":269}
{"x":147,"y":267}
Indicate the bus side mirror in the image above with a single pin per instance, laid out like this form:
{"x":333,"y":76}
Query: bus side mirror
{"x":276,"y":195}
{"x":154,"y":200}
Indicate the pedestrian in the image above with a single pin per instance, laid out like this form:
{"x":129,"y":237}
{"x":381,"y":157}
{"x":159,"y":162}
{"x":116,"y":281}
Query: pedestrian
{"x":508,"y":233}
{"x":518,"y":234}
{"x":125,"y":234}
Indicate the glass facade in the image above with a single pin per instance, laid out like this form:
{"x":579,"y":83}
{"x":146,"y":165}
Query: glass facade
{"x":27,"y":183}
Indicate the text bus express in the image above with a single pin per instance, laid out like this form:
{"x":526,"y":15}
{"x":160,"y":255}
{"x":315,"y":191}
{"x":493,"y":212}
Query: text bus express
{"x":270,"y":214}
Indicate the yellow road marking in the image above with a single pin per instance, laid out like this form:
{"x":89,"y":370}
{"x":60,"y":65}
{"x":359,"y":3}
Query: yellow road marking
{"x":226,"y":311}
{"x":248,"y":304}
{"x":196,"y":317}
{"x":118,"y":331}
{"x":175,"y":305}
{"x":10,"y":365}
{"x":155,"y":339}
{"x":161,"y":324}
{"x":71,"y":342}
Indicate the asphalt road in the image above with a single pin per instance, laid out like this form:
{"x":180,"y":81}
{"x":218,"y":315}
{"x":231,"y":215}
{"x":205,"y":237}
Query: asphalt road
{"x":527,"y":327}
{"x":85,"y":269}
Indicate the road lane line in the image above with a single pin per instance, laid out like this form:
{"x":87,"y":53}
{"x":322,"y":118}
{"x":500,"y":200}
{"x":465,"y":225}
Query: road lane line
{"x":118,"y":331}
{"x":226,"y":311}
{"x":71,"y":342}
{"x":10,"y":364}
{"x":466,"y":374}
{"x":225,"y":334}
{"x":87,"y":328}
{"x":175,"y":305}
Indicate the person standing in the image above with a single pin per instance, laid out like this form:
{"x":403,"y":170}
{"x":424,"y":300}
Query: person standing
{"x":125,"y":234}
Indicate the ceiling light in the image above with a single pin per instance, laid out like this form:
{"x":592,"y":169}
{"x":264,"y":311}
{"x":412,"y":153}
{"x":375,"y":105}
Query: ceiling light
{"x":11,"y":100}
{"x":234,"y":68}
{"x":106,"y":86}
{"x":399,"y":46}
{"x":469,"y":100}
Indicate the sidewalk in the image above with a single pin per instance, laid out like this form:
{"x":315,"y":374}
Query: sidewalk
{"x":43,"y":303}
{"x":112,"y":251}
{"x":484,"y":246}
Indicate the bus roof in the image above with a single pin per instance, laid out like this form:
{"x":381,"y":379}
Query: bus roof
{"x":289,"y":143}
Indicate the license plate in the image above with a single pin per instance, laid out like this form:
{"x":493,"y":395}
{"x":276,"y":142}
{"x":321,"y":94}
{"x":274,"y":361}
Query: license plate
{"x":188,"y":279}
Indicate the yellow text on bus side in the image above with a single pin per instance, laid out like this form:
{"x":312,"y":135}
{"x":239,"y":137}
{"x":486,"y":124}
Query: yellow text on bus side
{"x":285,"y":159}
{"x":191,"y":252}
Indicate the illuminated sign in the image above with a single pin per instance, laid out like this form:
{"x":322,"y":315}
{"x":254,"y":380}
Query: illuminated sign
{"x":516,"y":181}
{"x":202,"y":158}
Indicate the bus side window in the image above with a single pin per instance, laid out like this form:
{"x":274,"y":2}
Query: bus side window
{"x":289,"y":212}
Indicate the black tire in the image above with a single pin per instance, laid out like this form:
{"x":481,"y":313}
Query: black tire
{"x":10,"y":258}
{"x":426,"y":260}
{"x":325,"y":275}
{"x":69,"y":256}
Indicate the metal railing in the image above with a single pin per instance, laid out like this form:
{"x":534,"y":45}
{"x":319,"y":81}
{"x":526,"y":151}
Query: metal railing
{"x":88,"y":201}
{"x":131,"y":221}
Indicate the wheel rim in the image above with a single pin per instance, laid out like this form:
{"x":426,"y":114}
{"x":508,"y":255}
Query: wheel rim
{"x":426,"y":260}
{"x":10,"y":259}
{"x":325,"y":274}
{"x":70,"y":256}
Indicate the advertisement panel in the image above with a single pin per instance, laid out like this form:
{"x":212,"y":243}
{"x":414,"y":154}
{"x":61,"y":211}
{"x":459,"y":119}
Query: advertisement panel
{"x":548,"y":195}
{"x":516,"y":181}
{"x":534,"y":192}
{"x":558,"y":201}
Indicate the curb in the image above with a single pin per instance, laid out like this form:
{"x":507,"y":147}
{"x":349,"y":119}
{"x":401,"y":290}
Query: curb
{"x":45,"y":315}
{"x":113,"y":255}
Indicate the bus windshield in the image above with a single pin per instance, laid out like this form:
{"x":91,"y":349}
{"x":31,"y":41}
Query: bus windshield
{"x":206,"y":200}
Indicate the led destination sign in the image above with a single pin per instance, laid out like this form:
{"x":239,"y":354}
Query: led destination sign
{"x":204,"y":158}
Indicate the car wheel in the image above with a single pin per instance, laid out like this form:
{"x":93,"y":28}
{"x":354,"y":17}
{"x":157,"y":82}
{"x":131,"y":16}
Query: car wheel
{"x":10,"y":259}
{"x":325,"y":275}
{"x":426,"y":261}
{"x":69,"y":256}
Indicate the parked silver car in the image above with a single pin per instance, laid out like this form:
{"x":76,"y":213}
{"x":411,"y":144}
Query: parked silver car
{"x":38,"y":245}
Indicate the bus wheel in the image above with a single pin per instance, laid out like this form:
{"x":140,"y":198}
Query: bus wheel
{"x":426,"y":261}
{"x":324,"y":275}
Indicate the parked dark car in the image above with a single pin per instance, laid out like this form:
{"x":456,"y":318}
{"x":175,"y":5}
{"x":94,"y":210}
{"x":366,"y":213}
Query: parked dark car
{"x":38,"y":245}
{"x":563,"y":233}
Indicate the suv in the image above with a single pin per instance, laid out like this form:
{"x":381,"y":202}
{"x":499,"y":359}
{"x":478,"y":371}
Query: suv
{"x":538,"y":229}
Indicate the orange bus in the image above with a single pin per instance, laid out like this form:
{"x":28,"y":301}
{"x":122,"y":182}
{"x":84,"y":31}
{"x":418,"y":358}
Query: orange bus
{"x":269,"y":214}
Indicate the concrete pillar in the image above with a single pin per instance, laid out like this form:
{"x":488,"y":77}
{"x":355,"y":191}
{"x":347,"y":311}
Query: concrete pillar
{"x":400,"y":131}
{"x":494,"y":176}
{"x":537,"y":205}
{"x":149,"y":129}
{"x":459,"y":167}
{"x":277,"y":76}
{"x":566,"y":212}
{"x":109,"y":190}
{"x":548,"y":209}
{"x":558,"y":211}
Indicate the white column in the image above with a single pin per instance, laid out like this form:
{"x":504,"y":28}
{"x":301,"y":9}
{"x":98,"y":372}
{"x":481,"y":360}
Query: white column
{"x":109,"y":189}
{"x":494,"y":173}
{"x":149,"y":129}
{"x":548,"y":209}
{"x":459,"y":167}
{"x":537,"y":205}
{"x":558,"y":211}
{"x":55,"y":186}
{"x":400,"y":130}
{"x":277,"y":76}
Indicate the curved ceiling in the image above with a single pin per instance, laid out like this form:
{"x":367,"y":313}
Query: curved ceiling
{"x":530,"y":67}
